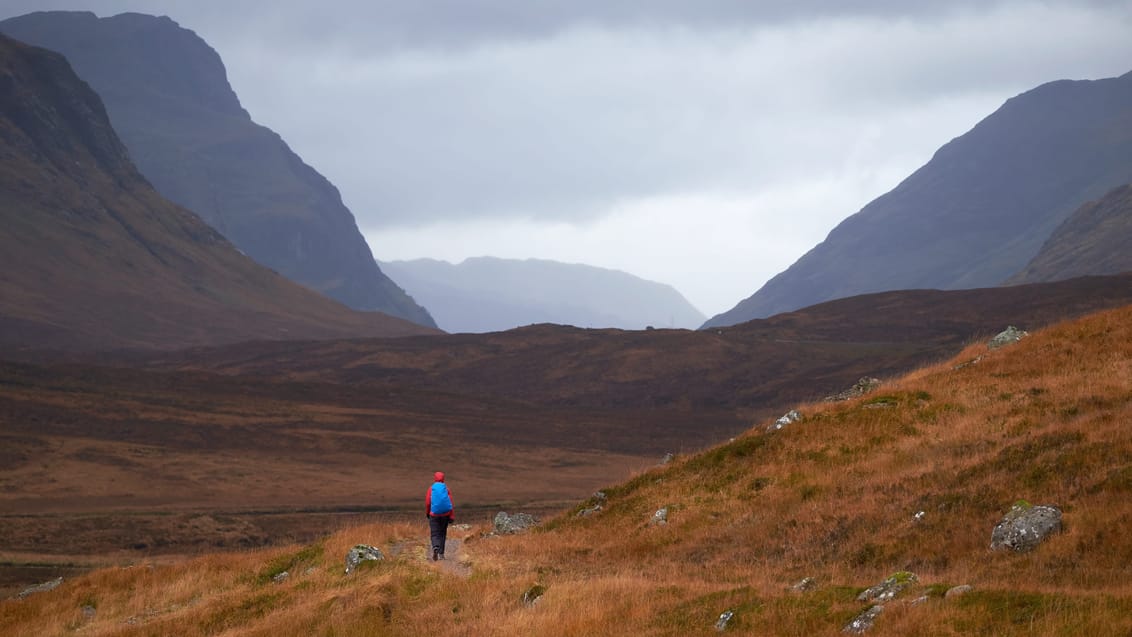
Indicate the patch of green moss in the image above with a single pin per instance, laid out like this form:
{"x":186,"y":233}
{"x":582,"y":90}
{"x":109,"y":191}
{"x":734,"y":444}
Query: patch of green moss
{"x":308,"y":555}
{"x":240,"y":614}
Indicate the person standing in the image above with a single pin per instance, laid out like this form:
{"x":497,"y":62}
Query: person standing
{"x":441,"y":513}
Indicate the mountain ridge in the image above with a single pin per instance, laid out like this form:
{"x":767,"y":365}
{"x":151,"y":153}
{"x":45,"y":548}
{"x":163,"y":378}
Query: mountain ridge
{"x":979,"y":210}
{"x":489,"y":294}
{"x":167,"y":94}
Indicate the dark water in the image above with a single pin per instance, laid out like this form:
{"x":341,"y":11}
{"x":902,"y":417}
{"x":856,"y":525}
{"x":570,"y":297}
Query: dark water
{"x":15,"y":578}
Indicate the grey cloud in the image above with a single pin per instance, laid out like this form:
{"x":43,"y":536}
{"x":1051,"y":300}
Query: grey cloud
{"x":447,"y":24}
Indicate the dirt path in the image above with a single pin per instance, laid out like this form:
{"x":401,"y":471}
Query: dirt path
{"x":454,"y":563}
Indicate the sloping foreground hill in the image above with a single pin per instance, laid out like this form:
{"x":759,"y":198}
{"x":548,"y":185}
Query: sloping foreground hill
{"x":979,"y":210}
{"x":758,"y":365}
{"x":1093,"y":240}
{"x":907,"y":482}
{"x":168,"y":97}
{"x":91,"y":257}
{"x":488,"y":294}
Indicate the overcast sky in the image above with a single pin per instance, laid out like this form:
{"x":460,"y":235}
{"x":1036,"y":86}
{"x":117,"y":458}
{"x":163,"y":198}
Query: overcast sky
{"x":703,"y":144}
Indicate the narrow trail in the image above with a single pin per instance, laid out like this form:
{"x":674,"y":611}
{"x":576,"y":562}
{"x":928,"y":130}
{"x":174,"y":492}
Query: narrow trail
{"x":453,"y":563}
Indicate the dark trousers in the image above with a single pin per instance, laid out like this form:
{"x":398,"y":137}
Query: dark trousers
{"x":439,"y":528}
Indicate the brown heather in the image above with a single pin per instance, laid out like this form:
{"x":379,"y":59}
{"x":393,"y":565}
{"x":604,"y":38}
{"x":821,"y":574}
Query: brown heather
{"x":1048,"y":420}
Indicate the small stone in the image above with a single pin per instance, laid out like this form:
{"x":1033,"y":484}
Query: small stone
{"x":864,"y":621}
{"x":660,"y":518}
{"x":281,"y":577}
{"x":919,"y":517}
{"x":88,"y":612}
{"x":668,"y":457}
{"x":889,"y":588}
{"x":588,"y":511}
{"x":863,"y":386}
{"x":956,"y":591}
{"x":533,"y":594}
{"x":806,"y":584}
{"x":361,"y":553}
{"x":724,"y":617}
{"x":788,"y":418}
{"x":1008,"y":336}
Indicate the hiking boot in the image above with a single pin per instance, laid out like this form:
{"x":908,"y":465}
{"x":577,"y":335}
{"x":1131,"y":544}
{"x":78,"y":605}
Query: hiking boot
{"x":442,"y":555}
{"x":435,"y":554}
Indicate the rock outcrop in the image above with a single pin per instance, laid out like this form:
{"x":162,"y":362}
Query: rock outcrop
{"x":788,"y":418}
{"x":863,"y":386}
{"x":506,"y":524}
{"x":1008,"y":336}
{"x":1025,"y":526}
{"x":362,"y":553}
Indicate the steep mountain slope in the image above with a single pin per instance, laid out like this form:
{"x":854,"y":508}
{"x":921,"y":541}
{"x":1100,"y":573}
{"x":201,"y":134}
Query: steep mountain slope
{"x":1093,"y":240}
{"x":979,"y":210}
{"x":488,"y":294}
{"x":168,"y":97}
{"x":91,"y":257}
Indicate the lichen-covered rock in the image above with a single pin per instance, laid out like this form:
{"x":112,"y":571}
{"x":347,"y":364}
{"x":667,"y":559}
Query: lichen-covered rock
{"x":507,"y":524}
{"x":1006,"y":337}
{"x":889,"y":588}
{"x":806,"y":584}
{"x":788,"y":418}
{"x":40,"y":588}
{"x":864,"y":621}
{"x":361,"y":553}
{"x":588,"y":511}
{"x":724,"y":618}
{"x":956,"y":591}
{"x":863,"y":386}
{"x":282,"y":577}
{"x":660,"y":518}
{"x":1025,"y":526}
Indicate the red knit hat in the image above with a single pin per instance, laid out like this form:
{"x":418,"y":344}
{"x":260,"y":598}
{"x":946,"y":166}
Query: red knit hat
{"x":439,"y":476}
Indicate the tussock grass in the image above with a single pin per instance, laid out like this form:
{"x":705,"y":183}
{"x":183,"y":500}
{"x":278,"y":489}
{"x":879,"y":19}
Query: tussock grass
{"x":911,"y":478}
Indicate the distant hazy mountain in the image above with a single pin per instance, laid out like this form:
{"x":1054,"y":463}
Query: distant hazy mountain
{"x":979,"y":210}
{"x":1097,"y":239}
{"x":487,"y":294}
{"x":92,"y":257}
{"x":168,"y":97}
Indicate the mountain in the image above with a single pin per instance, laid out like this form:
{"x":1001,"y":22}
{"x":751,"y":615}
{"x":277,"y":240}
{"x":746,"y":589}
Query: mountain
{"x":979,"y":210}
{"x":1093,"y":240}
{"x":168,"y":97}
{"x":91,"y":257}
{"x":487,"y":294}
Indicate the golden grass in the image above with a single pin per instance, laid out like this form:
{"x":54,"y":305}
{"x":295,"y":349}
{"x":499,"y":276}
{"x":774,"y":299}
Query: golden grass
{"x":834,"y":497}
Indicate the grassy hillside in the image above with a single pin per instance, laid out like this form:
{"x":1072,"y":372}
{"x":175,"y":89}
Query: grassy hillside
{"x":834,"y":497}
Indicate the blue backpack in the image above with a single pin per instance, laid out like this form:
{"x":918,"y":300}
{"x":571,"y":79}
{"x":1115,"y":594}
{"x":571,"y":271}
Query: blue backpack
{"x":441,"y":501}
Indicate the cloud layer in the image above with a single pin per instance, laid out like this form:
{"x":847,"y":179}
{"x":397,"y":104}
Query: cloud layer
{"x":705,"y":145}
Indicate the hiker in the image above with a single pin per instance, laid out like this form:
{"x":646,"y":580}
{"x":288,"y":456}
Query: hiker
{"x":438,"y":504}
